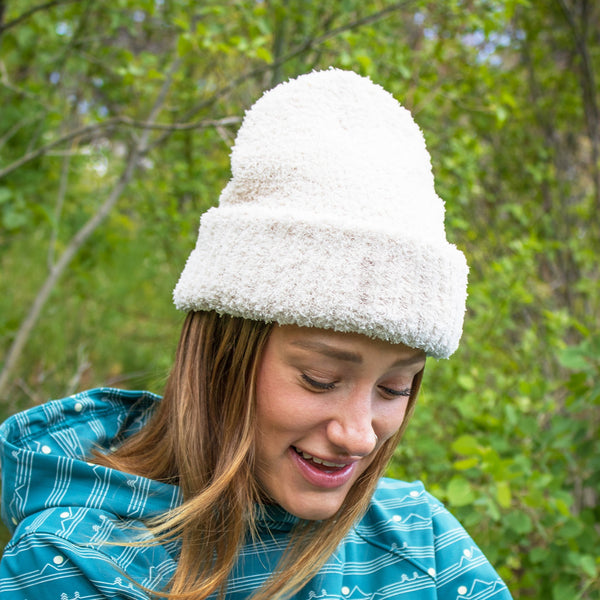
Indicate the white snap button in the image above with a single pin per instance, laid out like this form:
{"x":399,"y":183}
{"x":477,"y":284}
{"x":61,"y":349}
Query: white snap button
{"x":78,"y":407}
{"x":431,"y":572}
{"x":14,"y":521}
{"x":397,"y":518}
{"x":64,"y":515}
{"x":58,"y":560}
{"x":345,"y":590}
{"x":462,"y":590}
{"x":467,"y":553}
{"x":414,"y":494}
{"x":46,"y":449}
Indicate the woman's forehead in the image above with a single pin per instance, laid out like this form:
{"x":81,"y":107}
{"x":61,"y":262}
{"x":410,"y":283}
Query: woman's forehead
{"x":349,"y":346}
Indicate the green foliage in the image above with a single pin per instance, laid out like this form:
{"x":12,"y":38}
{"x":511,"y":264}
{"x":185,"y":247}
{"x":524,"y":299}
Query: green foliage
{"x":524,"y":470}
{"x":506,"y":431}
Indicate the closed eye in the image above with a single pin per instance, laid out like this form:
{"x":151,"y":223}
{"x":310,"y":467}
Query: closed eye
{"x":395,"y":393}
{"x":318,"y":385}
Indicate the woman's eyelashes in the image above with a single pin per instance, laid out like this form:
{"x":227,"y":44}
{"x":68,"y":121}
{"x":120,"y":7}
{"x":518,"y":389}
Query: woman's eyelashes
{"x":321,"y":386}
{"x":324,"y":386}
{"x":390,"y":392}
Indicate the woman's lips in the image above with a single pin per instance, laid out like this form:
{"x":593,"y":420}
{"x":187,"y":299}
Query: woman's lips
{"x":320,"y":461}
{"x":322,"y":473}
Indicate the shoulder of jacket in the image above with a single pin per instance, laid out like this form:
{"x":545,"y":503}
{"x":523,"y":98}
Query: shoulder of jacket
{"x":399,"y":521}
{"x":79,"y":408}
{"x":410,"y":502}
{"x":86,"y":538}
{"x":403,"y":497}
{"x":77,"y":525}
{"x":404,"y":518}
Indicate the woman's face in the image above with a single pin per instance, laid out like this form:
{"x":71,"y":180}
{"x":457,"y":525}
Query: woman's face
{"x":326,"y":401}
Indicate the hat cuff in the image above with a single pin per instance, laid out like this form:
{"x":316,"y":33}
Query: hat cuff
{"x":280,"y":267}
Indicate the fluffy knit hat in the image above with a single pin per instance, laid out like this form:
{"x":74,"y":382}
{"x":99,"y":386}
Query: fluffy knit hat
{"x":331,"y":220}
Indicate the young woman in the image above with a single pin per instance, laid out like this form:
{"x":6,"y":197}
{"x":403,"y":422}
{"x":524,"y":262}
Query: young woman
{"x":317,"y":289}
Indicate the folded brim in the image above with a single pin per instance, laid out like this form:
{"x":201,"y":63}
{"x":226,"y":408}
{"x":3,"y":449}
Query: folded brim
{"x":280,"y":268}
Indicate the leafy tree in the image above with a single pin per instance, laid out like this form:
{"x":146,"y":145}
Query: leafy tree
{"x":115,"y":129}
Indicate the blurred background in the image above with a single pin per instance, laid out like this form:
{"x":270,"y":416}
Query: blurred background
{"x":116,"y":122}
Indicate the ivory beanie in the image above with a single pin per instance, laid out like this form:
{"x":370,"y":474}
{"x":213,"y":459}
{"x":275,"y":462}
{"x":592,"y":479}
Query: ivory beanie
{"x":331,"y":220}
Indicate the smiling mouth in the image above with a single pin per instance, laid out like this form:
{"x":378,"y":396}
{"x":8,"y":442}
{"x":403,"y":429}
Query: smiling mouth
{"x":319,"y":462}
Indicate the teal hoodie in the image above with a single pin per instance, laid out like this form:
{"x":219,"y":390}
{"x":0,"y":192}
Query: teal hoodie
{"x":69,"y":519}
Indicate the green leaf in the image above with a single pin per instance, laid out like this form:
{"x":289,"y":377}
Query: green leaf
{"x":466,"y":444}
{"x":460,"y":492}
{"x":588,"y":566}
{"x":467,"y":463}
{"x":562,"y":507}
{"x":573,"y":358}
{"x":364,"y":61}
{"x":13,"y":219}
{"x":264,"y":54}
{"x":563,"y":590}
{"x":5,"y":194}
{"x":539,"y":555}
{"x":184,"y":45}
{"x":503,"y":494}
{"x":519,"y":522}
{"x":466,"y":382}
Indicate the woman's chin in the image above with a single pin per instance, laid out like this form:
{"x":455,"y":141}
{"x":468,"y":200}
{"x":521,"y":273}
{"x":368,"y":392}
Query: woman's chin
{"x":312,"y":508}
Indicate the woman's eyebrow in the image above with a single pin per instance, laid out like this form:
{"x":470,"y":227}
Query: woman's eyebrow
{"x":329,"y":351}
{"x":410,"y":360}
{"x":345,"y":355}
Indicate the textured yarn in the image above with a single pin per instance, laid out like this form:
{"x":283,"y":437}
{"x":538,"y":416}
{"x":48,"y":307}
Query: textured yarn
{"x":331,"y":220}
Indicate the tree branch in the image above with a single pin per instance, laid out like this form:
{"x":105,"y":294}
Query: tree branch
{"x":300,"y":48}
{"x":588,"y":91}
{"x":90,"y":130}
{"x":16,"y":21}
{"x":60,"y":200}
{"x":187,"y":125}
{"x":13,"y":130}
{"x":140,"y":149}
{"x":5,"y":81}
{"x":77,"y":242}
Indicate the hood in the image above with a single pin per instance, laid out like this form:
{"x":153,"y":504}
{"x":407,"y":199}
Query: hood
{"x":44,"y":453}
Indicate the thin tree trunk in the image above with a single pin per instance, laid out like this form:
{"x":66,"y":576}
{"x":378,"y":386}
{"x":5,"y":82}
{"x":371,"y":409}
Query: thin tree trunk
{"x":80,"y":238}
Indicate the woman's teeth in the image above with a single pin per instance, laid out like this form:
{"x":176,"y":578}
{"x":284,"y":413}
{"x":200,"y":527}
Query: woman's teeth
{"x":319,"y":461}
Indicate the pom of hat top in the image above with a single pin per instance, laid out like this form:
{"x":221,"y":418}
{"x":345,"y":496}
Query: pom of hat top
{"x":331,"y":220}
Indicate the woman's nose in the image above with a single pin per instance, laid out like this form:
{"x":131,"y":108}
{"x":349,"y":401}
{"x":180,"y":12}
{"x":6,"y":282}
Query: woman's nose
{"x":351,"y":430}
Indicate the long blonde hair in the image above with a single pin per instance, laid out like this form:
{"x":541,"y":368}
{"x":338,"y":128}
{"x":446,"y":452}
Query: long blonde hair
{"x":202,"y":439}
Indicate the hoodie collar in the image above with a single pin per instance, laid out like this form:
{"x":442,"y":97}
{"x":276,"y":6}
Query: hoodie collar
{"x":45,"y":452}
